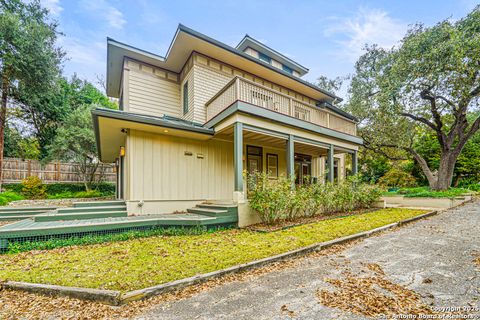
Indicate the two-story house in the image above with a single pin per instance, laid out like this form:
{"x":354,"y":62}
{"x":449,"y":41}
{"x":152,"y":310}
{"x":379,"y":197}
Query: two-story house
{"x":191,"y":122}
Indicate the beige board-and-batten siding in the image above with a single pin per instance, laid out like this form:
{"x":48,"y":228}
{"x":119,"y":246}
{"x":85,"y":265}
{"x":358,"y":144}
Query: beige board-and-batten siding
{"x":150,"y":90}
{"x":172,"y":174}
{"x":210,"y":76}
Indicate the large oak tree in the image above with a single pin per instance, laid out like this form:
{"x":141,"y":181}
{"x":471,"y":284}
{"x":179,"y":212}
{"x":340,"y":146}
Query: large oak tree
{"x":29,"y":58}
{"x":431,"y":81}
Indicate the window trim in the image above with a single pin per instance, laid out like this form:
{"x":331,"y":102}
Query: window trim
{"x":287,"y":69}
{"x":265,"y":58}
{"x":185,"y":98}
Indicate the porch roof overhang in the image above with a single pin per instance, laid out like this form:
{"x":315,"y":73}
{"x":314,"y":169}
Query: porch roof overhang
{"x":246,"y":108}
{"x":110,"y":126}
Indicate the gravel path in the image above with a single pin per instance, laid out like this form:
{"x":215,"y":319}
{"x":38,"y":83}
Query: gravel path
{"x":428,"y":264}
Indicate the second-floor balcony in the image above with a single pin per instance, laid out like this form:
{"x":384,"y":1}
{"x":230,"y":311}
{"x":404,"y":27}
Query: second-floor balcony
{"x":242,"y":89}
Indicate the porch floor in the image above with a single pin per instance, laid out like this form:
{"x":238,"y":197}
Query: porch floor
{"x":32,"y":230}
{"x":29,"y":227}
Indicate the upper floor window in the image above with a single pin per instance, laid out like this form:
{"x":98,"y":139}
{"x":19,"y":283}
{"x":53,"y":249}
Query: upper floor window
{"x":185,"y":98}
{"x":264,"y":57}
{"x":287,"y":69}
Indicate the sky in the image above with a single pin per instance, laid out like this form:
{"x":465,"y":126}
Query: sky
{"x":325,"y":36}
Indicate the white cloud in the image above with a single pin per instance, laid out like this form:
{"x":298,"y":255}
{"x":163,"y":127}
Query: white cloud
{"x":368,"y":26}
{"x":85,"y":58}
{"x":105,"y":11}
{"x":53,"y":6}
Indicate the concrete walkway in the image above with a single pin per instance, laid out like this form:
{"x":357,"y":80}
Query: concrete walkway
{"x":432,"y":257}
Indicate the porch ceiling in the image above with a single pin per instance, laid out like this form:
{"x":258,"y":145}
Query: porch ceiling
{"x":265,"y":140}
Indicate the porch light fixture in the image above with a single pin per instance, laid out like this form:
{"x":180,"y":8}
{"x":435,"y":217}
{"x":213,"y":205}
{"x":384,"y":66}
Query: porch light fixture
{"x":165,"y":131}
{"x":122,"y":151}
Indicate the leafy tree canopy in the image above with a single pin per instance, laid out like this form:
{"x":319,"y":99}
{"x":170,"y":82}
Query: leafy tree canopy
{"x":430,"y":82}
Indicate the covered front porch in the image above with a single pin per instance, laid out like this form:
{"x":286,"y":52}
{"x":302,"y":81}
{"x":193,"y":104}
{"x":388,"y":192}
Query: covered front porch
{"x":262,"y":149}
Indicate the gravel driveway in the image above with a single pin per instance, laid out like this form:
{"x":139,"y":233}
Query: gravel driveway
{"x":424,"y":265}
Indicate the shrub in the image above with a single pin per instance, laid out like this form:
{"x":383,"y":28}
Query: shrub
{"x":55,"y":189}
{"x":397,"y":178}
{"x":80,"y":194}
{"x":9,"y":196}
{"x":33,"y":188}
{"x":275,"y":200}
{"x":270,"y":198}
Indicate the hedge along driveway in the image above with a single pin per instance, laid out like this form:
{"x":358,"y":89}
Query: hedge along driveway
{"x":146,"y":262}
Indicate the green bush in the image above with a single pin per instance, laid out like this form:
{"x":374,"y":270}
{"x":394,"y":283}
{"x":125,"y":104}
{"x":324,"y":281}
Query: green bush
{"x":426,"y":192}
{"x":33,"y":188}
{"x":54,"y":189}
{"x":270,"y":198}
{"x":276,"y":200}
{"x":9,"y":196}
{"x":397,"y":178}
{"x":80,"y":194}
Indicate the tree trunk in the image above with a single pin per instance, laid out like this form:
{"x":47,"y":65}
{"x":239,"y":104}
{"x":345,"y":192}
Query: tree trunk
{"x":445,"y":171}
{"x":3,"y":117}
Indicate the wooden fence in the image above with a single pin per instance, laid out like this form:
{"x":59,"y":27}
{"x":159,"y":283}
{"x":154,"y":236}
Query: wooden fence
{"x":14,"y":170}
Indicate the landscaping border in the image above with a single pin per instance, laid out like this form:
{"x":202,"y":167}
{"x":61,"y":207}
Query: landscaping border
{"x":117,"y":298}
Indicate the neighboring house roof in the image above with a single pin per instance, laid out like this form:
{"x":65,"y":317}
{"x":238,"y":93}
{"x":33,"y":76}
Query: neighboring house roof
{"x":185,"y":42}
{"x":248,"y":41}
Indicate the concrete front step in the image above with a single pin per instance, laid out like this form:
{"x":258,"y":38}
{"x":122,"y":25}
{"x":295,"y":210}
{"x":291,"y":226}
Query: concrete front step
{"x":20,"y":209}
{"x":79,"y":216}
{"x":15,"y":218}
{"x":217,"y":205}
{"x":23,"y":213}
{"x":209,"y":212}
{"x":84,"y":204}
{"x":91,"y":209}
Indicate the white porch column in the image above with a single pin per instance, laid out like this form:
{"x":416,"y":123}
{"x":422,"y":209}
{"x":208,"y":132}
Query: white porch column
{"x":354,"y":162}
{"x":330,"y":164}
{"x":238,"y":195}
{"x":290,"y":157}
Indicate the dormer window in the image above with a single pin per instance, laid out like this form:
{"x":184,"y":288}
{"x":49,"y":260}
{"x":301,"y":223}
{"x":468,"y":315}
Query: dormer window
{"x":265,"y":58}
{"x":287,"y":69}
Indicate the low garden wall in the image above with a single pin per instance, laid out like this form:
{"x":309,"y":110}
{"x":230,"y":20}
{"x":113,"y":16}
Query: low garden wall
{"x":421,"y":202}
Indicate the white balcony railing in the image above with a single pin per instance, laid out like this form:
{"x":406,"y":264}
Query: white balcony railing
{"x":248,"y":91}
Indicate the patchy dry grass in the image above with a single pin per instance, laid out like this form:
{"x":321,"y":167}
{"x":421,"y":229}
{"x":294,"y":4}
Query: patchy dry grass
{"x":140,"y":263}
{"x":24,"y":305}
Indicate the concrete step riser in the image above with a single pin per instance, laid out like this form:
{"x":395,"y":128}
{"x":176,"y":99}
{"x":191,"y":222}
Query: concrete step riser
{"x":217,"y":207}
{"x":22,"y":209}
{"x":98,"y":204}
{"x":210,"y":214}
{"x":59,"y":217}
{"x":24,"y":213}
{"x":91,"y":209}
{"x":16,"y":218}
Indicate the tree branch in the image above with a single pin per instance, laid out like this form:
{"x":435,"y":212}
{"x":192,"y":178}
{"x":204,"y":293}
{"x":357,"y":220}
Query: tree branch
{"x":420,"y":119}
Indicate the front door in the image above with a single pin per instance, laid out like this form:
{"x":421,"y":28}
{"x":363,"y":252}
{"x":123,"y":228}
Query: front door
{"x":254,"y":159}
{"x":303,"y":168}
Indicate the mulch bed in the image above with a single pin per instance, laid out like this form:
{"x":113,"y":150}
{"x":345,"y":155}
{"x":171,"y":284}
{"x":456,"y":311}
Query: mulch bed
{"x":285,"y":224}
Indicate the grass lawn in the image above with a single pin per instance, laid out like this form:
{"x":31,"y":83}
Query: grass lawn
{"x":140,"y":263}
{"x":425,"y":192}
